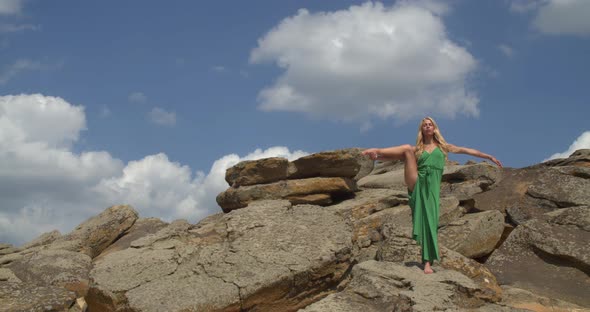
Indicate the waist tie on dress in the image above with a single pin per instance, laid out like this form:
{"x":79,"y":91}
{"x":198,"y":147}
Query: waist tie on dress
{"x":425,"y":171}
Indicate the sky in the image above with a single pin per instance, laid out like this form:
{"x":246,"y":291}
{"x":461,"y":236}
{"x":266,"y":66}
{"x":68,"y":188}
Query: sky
{"x":147,"y":102}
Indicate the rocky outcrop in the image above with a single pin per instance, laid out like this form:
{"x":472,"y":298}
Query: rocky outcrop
{"x":549,"y":255}
{"x":318,"y":235}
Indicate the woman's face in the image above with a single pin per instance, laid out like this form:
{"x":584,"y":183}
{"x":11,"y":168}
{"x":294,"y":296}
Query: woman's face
{"x":427,"y":128}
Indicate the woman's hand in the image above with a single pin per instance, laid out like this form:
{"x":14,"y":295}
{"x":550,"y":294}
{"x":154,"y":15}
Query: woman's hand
{"x":373,"y":153}
{"x":495,"y":161}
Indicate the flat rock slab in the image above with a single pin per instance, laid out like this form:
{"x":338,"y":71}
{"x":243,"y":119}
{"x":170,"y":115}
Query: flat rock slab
{"x":386,"y":286}
{"x":259,"y":171}
{"x":548,"y":255}
{"x":30,"y":297}
{"x":297,"y":190}
{"x":348,"y":163}
{"x":274,"y":256}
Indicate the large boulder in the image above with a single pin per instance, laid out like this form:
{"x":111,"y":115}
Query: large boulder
{"x":348,"y":163}
{"x":271,"y":256}
{"x":549,"y":255}
{"x":97,"y":233}
{"x":474,"y":235}
{"x":579,"y":158}
{"x":31,"y":297}
{"x":296,"y":191}
{"x":386,"y":286}
{"x":259,"y":171}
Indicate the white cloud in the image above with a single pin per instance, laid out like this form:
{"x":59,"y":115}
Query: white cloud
{"x":137,"y":97}
{"x":524,"y":6}
{"x":162,"y":117}
{"x":9,"y":7}
{"x":11,"y":28}
{"x":506,"y":50}
{"x":366,"y":61}
{"x":44,"y":185}
{"x":583,"y":141}
{"x":18,"y":67}
{"x":564,"y":17}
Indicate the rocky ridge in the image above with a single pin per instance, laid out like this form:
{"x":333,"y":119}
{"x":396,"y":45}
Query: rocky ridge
{"x":327,"y":232}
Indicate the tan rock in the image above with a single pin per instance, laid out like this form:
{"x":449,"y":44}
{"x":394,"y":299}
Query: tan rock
{"x":43,"y":239}
{"x":523,"y":299}
{"x":348,"y":163}
{"x":141,"y":228}
{"x":548,"y":255}
{"x":234,"y":198}
{"x":31,"y":297}
{"x":97,"y":233}
{"x":259,"y":171}
{"x":473,"y":235}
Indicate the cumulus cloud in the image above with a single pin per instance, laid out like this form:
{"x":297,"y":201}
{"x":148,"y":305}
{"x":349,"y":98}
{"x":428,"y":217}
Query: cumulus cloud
{"x":506,"y":50}
{"x":564,"y":17}
{"x":366,"y":61}
{"x":137,"y":97}
{"x":583,"y":141}
{"x":44,"y":185}
{"x":162,"y":117}
{"x":18,"y":67}
{"x":9,"y":7}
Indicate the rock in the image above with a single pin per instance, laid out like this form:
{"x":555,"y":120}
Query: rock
{"x":174,"y":229}
{"x":9,"y":250}
{"x":141,"y":228}
{"x":565,"y":190}
{"x":6,"y":275}
{"x":449,"y":210}
{"x":29,"y":297}
{"x":234,"y":198}
{"x":579,"y":158}
{"x":392,"y":179}
{"x":4,"y":246}
{"x":60,"y":268}
{"x":347,"y":163}
{"x":473,"y":235}
{"x":463,"y":182}
{"x":43,"y":239}
{"x":273,"y":256}
{"x":97,"y":233}
{"x":548,"y":255}
{"x":385,"y":286}
{"x":520,"y":298}
{"x":260,"y":171}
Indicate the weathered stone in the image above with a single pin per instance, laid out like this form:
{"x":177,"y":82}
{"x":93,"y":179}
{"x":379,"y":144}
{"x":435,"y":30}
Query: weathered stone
{"x":520,"y":298}
{"x":9,"y":250}
{"x":6,"y":275}
{"x":479,"y":171}
{"x":259,"y":171}
{"x":390,"y":179}
{"x":384,"y":286}
{"x":348,"y":163}
{"x":61,"y":268}
{"x":562,"y":189}
{"x":274,"y":256}
{"x":449,"y":210}
{"x":175,"y":229}
{"x":234,"y":198}
{"x":30,"y":297}
{"x":579,"y":158}
{"x":313,"y":199}
{"x":473,"y":235}
{"x":548,"y":255}
{"x":43,"y":239}
{"x":141,"y":228}
{"x":4,"y":246}
{"x":97,"y":233}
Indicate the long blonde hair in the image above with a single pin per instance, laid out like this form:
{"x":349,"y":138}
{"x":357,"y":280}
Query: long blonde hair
{"x":438,"y":138}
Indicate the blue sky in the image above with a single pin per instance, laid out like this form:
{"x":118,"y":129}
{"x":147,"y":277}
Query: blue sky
{"x":148,"y":103}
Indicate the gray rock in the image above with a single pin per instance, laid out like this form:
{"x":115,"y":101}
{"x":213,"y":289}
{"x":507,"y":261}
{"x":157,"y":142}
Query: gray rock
{"x":60,"y":268}
{"x":520,"y":298}
{"x":6,"y":275}
{"x":580,"y":158}
{"x":548,"y":255}
{"x":43,"y":239}
{"x":97,"y":233}
{"x":449,"y":210}
{"x":272,"y":255}
{"x":386,"y":286}
{"x":563,"y":189}
{"x":141,"y":228}
{"x":391,"y":179}
{"x":30,"y":297}
{"x":473,"y":235}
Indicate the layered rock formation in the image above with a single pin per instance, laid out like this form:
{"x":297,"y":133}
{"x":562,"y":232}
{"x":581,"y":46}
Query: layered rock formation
{"x":327,"y":232}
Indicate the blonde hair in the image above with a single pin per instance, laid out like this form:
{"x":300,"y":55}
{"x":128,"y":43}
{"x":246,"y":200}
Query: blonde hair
{"x":438,"y":138}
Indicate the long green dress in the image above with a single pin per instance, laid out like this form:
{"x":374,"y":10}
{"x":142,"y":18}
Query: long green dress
{"x":425,"y":201}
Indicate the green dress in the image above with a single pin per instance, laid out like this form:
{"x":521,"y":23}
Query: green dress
{"x":425,"y":201}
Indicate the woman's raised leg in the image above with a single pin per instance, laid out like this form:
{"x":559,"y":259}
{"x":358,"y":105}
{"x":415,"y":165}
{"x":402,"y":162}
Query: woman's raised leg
{"x":401,"y":152}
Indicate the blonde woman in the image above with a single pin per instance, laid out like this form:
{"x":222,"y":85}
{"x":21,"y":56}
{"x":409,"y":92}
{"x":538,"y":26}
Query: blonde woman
{"x":424,"y":165}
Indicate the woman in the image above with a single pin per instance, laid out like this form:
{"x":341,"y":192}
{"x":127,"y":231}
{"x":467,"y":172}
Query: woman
{"x":424,"y":165}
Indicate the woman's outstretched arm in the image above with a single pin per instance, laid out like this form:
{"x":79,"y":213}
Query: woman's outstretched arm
{"x":473,"y":152}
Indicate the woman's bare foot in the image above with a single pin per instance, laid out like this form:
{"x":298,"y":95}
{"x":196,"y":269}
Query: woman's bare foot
{"x":427,"y":268}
